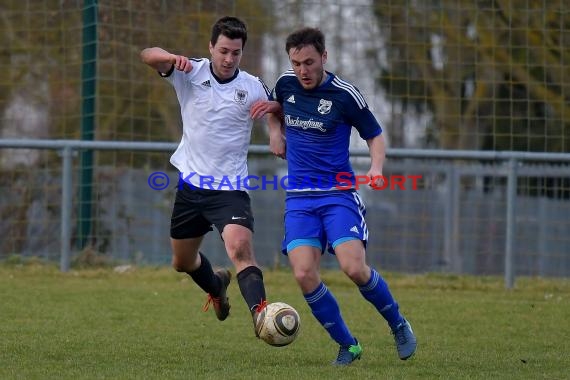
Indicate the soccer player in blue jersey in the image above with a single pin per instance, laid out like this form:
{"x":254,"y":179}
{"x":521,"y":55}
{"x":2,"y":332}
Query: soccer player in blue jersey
{"x":319,"y":111}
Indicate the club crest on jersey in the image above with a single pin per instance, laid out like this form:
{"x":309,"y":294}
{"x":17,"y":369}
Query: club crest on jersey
{"x":324,"y":106}
{"x":240,"y":96}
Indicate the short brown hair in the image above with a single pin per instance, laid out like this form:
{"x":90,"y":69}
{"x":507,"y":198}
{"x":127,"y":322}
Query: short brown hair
{"x":304,"y":37}
{"x":231,"y":27}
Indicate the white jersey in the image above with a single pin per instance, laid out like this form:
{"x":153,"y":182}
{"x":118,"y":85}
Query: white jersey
{"x":216,"y":125}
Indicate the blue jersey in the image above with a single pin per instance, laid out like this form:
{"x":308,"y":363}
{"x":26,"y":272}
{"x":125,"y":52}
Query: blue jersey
{"x":318,"y":125}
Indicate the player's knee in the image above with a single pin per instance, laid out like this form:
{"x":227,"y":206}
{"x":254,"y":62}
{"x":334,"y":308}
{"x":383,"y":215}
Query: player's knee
{"x":178,"y":264}
{"x":177,"y":267}
{"x":240,"y":250}
{"x":358,"y":274}
{"x":183,"y":264}
{"x":306,"y":277}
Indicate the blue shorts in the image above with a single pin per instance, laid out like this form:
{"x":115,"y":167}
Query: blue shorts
{"x":322,"y":220}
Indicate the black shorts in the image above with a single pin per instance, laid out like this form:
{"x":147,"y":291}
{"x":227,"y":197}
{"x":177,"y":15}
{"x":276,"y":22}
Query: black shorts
{"x":196,"y":210}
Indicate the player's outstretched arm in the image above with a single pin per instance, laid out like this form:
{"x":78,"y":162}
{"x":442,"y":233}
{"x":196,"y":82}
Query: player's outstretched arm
{"x":274,"y":113}
{"x":162,"y":61}
{"x":377,"y":148}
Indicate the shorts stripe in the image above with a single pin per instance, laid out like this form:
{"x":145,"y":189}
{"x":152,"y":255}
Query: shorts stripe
{"x":361,"y":211}
{"x":312,"y":242}
{"x":343,"y":240}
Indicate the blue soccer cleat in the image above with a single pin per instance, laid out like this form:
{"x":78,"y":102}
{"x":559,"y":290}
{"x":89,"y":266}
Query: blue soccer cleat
{"x":405,"y":340}
{"x":348,"y":354}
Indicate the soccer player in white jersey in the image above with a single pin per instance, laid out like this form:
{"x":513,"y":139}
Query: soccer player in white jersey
{"x":320,"y":110}
{"x":215,"y":98}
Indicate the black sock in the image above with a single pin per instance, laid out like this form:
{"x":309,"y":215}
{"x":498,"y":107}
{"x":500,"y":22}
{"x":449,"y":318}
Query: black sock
{"x":205,"y":278}
{"x":250,"y":281}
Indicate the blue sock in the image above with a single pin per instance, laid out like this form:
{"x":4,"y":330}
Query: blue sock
{"x":326,"y":310}
{"x":377,"y":293}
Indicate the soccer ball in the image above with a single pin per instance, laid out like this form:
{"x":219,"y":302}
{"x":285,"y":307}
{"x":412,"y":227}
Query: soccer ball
{"x":279,"y":324}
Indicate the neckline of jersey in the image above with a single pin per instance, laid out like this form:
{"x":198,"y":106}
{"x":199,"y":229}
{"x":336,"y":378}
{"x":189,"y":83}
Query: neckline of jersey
{"x":223,"y":81}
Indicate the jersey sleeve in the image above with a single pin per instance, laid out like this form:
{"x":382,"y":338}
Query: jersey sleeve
{"x":360,"y":116}
{"x":174,"y":77}
{"x":276,"y":93}
{"x":265,"y":94}
{"x":177,"y":78}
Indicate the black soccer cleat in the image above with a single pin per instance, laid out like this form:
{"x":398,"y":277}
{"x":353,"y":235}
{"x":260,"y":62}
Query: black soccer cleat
{"x":222,"y":302}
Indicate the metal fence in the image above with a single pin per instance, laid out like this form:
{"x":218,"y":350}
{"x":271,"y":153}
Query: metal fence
{"x":470,"y":212}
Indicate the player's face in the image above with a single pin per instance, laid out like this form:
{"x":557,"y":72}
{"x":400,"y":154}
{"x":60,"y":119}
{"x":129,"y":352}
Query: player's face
{"x":226,"y":55}
{"x":308,"y":66}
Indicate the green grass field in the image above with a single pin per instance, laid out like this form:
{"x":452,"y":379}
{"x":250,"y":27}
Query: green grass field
{"x":147,"y":324}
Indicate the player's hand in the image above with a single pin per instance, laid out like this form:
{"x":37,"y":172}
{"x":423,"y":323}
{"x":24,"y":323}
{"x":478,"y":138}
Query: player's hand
{"x":376,"y":178}
{"x":181,"y":63}
{"x":262,"y":107}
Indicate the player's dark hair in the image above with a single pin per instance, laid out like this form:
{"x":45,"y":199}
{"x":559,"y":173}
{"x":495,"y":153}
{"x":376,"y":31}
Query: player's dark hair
{"x":305,"y":37}
{"x":231,"y":27}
